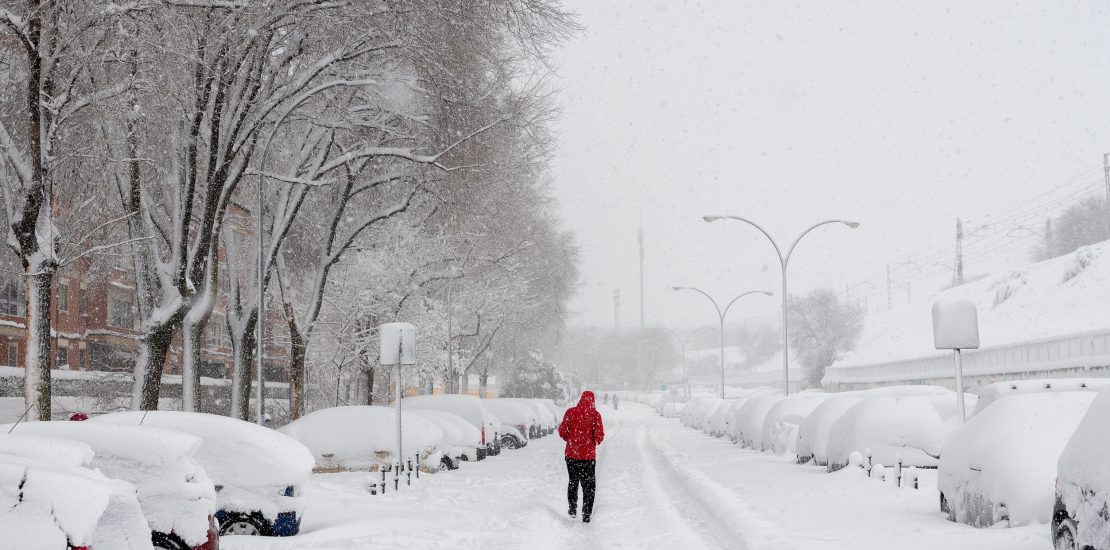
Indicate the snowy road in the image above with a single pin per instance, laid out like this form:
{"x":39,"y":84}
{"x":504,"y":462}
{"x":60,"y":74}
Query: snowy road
{"x":660,"y":485}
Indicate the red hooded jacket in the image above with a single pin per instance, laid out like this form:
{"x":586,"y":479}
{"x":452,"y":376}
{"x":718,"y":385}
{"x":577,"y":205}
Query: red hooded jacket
{"x":582,"y":429}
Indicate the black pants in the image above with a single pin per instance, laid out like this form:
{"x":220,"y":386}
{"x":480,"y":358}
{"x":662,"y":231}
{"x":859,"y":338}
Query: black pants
{"x":581,"y":473}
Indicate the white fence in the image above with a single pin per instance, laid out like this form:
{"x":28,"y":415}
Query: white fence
{"x":1080,"y":354}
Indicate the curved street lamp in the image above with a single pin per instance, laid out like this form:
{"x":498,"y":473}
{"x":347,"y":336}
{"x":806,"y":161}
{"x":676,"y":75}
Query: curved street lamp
{"x":682,"y":343}
{"x":721,"y":316}
{"x":783,"y":261}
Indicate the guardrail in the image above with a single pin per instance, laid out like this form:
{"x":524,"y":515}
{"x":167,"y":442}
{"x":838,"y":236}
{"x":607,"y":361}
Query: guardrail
{"x":1077,"y":354}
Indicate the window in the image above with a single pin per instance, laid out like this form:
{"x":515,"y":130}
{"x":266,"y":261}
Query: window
{"x":63,"y":297}
{"x":13,"y":353}
{"x":11,"y":297}
{"x":63,"y":357}
{"x":81,"y":302}
{"x":119,"y":313}
{"x":81,"y":359}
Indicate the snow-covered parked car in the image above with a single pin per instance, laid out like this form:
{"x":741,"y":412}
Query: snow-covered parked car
{"x":716,"y":422}
{"x":258,"y":472}
{"x":749,"y":420}
{"x":517,"y":421}
{"x":1081,"y":515}
{"x":121,"y":525}
{"x":785,"y":417}
{"x":1001,"y":465}
{"x":672,"y":410}
{"x":364,"y":437}
{"x":461,"y":441}
{"x":175,"y":494}
{"x":696,"y":414}
{"x":909,"y":426}
{"x":546,"y":420}
{"x":467,"y":407}
{"x":991,"y":393}
{"x":813,"y":433}
{"x":555,"y":413}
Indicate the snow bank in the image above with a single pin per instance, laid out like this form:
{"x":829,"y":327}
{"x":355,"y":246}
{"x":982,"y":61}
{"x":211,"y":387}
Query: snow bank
{"x":252,"y":464}
{"x":906,"y":426}
{"x":1084,"y":479}
{"x":363,"y":436}
{"x":784,"y":418}
{"x":993,"y":392}
{"x":1002,"y":463}
{"x":174,"y":492}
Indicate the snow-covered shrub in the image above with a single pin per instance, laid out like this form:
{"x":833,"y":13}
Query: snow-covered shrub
{"x":1007,"y":285}
{"x":1002,"y":463}
{"x":1080,"y":260}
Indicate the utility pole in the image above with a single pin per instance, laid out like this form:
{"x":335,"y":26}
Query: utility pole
{"x":959,"y":273}
{"x":1106,"y":197}
{"x":889,"y":302}
{"x":450,"y":350}
{"x":640,"y":339}
{"x":616,"y":332}
{"x":1048,"y":237}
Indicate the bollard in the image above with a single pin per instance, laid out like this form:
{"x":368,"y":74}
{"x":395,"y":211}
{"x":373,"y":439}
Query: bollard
{"x":898,"y":473}
{"x":867,"y":454}
{"x":417,"y":456}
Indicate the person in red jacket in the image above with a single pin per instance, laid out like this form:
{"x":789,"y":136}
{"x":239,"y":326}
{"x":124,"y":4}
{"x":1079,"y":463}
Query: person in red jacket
{"x":582,"y":430}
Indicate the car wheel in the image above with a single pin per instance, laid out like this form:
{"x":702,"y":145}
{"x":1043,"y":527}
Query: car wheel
{"x":242,"y":524}
{"x":165,"y":541}
{"x":1064,"y":539}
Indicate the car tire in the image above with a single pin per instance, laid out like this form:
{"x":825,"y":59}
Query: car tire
{"x":1064,"y":537}
{"x":164,"y":541}
{"x":244,"y":524}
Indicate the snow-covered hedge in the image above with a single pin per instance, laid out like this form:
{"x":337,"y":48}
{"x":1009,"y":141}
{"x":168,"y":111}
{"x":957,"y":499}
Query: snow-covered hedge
{"x":1002,"y":463}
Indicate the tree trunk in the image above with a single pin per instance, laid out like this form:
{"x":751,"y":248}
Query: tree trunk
{"x":37,"y":385}
{"x":370,"y":386}
{"x":483,"y":380}
{"x":296,"y":366}
{"x":154,"y":345}
{"x":464,"y":386}
{"x":243,"y":357}
{"x":192,"y":334}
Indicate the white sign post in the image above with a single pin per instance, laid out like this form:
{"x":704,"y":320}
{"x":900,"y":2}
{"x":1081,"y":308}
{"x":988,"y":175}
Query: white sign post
{"x":398,"y":347}
{"x":956,"y":327}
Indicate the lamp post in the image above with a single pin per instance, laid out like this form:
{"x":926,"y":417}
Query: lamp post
{"x":721,"y":317}
{"x":682,"y":343}
{"x":783,"y":261}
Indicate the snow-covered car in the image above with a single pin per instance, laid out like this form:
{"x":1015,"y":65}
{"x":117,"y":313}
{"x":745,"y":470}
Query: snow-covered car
{"x":175,"y":494}
{"x":513,"y":414}
{"x":889,"y":427}
{"x":672,"y":410}
{"x":990,"y":393}
{"x":461,"y":441}
{"x":749,"y":420}
{"x":696,"y":414}
{"x":121,"y":525}
{"x":364,"y":437}
{"x":469,"y":408}
{"x":546,"y":420}
{"x":555,"y":412}
{"x":49,"y":506}
{"x":1080,"y":518}
{"x":258,"y":472}
{"x":717,"y":420}
{"x":784,"y":418}
{"x":1001,"y":465}
{"x":813,"y":433}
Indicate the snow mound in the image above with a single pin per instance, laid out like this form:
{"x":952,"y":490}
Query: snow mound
{"x":1002,"y":463}
{"x":362,"y":436}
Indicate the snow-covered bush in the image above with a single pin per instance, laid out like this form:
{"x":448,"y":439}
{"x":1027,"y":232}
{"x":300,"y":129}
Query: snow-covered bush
{"x":1083,"y":479}
{"x":1002,"y":463}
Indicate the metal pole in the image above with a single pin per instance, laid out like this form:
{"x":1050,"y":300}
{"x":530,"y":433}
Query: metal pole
{"x":785,"y":339}
{"x":261,"y":307}
{"x":722,"y":356}
{"x":397,"y":400}
{"x":960,"y":387}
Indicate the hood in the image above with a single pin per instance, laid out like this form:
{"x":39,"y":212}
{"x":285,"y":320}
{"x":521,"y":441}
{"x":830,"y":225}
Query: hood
{"x":587,"y":399}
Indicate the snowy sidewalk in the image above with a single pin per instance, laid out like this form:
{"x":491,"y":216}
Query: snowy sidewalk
{"x":660,"y":486}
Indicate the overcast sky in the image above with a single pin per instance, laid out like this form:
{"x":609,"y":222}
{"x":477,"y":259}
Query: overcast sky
{"x":899,"y":115}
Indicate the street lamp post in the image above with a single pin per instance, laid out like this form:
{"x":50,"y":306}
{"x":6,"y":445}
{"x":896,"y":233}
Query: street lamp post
{"x":682,"y":343}
{"x":783,"y":261}
{"x":721,"y":317}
